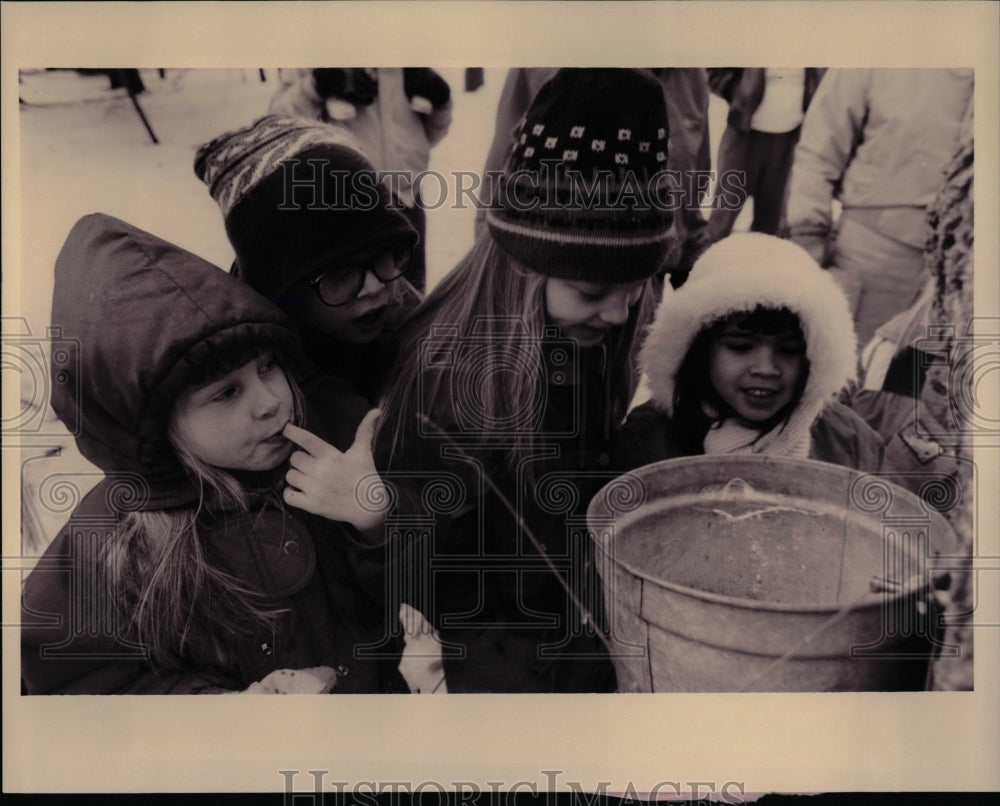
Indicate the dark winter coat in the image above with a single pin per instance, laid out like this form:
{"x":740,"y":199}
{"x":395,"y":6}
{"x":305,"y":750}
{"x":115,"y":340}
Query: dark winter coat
{"x":838,"y":436}
{"x":144,"y":314}
{"x":364,"y":366}
{"x":743,"y":89}
{"x":479,"y":577}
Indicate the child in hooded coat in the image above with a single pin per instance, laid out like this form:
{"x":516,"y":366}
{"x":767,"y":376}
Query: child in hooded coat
{"x":191,"y":568}
{"x":747,"y":357}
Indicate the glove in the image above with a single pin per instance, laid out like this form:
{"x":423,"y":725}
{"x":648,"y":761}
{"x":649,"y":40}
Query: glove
{"x":317,"y":680}
{"x":424,"y":87}
{"x":421,"y":665}
{"x":352,"y":84}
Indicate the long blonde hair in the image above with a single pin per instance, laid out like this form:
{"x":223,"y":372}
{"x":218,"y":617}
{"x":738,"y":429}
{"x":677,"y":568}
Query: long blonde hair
{"x":486,"y":318}
{"x":162,"y":578}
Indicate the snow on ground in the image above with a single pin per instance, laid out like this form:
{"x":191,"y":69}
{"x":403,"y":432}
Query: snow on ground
{"x":84,"y":149}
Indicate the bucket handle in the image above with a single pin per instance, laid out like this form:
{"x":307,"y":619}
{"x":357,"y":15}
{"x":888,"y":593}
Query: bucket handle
{"x":738,"y":486}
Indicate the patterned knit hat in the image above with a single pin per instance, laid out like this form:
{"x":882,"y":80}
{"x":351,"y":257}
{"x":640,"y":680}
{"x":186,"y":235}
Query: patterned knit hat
{"x":584,"y":196}
{"x":297,"y":195}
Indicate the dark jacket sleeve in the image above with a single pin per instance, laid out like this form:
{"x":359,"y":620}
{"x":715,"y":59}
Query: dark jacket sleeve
{"x":841,"y":437}
{"x":813,"y":76}
{"x":70,"y":644}
{"x":686,"y":92}
{"x":643,"y":439}
{"x":335,"y":411}
{"x":722,"y":81}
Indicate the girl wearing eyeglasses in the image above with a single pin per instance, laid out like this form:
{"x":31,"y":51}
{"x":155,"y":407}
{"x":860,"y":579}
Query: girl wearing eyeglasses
{"x":313,"y":230}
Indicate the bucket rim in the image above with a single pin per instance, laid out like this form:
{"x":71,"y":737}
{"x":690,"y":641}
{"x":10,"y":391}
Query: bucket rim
{"x":600,"y":510}
{"x":916,"y":505}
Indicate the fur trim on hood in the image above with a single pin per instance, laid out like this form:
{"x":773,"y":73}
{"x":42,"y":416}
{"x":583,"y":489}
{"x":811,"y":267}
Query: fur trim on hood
{"x":737,"y":274}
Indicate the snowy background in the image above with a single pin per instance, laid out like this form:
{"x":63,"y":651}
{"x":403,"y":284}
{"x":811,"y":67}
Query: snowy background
{"x":84,"y":149}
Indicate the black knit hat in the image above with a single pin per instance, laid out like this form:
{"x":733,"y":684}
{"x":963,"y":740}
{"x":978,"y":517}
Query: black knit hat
{"x":583,"y":196}
{"x":297,"y":195}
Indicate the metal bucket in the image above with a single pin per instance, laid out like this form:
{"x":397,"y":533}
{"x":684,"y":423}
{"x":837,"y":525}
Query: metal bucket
{"x":751,"y":573}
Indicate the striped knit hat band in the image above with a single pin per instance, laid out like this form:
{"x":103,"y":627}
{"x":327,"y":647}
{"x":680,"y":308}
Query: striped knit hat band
{"x":236,"y":162}
{"x":298,"y":197}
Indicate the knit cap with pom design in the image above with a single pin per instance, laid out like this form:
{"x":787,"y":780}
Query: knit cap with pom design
{"x":584,"y":194}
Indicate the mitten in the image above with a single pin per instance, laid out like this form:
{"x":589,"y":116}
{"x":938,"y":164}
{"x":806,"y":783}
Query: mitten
{"x":352,"y":84}
{"x":330,"y":81}
{"x":317,"y":680}
{"x":421,"y":665}
{"x":425,"y":89}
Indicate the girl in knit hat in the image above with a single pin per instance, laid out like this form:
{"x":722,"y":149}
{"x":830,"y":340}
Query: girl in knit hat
{"x":314,"y":231}
{"x":746,"y":357}
{"x":517,"y":368}
{"x":225,"y":549}
{"x":398,"y":115}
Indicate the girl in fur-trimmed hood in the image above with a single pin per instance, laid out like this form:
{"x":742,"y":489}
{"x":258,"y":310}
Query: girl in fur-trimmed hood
{"x":747,"y":357}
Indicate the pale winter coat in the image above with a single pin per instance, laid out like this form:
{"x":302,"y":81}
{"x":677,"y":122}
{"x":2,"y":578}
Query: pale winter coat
{"x":877,"y":140}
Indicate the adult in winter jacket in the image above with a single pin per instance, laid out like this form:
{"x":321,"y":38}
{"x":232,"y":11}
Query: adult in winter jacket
{"x":192,"y":568}
{"x":397,"y":114}
{"x":689,"y":160}
{"x":913,"y":387}
{"x":747,"y":357}
{"x":316,"y":233}
{"x":766,"y":109}
{"x":918,"y":394}
{"x":522,"y":361}
{"x":877,"y":141}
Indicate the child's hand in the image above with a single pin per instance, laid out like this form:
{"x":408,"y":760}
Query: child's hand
{"x":339,"y":486}
{"x":317,"y":680}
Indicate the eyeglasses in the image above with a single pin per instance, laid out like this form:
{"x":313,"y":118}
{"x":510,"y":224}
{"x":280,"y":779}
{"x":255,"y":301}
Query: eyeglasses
{"x":343,"y":284}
